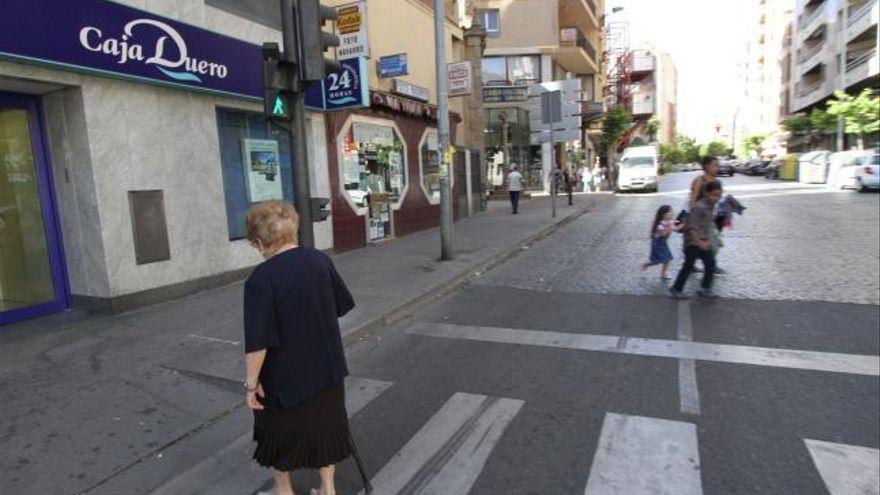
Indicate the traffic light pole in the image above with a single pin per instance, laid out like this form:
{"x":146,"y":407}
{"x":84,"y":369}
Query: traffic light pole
{"x":299,"y":155}
{"x":446,"y":242}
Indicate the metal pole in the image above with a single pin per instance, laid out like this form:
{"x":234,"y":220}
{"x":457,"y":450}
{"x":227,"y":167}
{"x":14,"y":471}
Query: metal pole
{"x":552,"y":174}
{"x":299,"y":157}
{"x":443,"y":131}
{"x":841,"y":79}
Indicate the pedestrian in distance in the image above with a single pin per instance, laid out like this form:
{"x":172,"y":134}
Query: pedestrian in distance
{"x":586,"y":176}
{"x":514,"y":187}
{"x":661,"y":228}
{"x":294,"y":358}
{"x":568,"y":183}
{"x":700,"y":240}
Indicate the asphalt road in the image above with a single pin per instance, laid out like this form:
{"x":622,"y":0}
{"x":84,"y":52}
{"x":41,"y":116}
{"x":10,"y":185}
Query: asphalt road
{"x":566,"y":371}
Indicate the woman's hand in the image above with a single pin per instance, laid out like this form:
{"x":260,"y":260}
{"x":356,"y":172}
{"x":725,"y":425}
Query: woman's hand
{"x":251,"y":398}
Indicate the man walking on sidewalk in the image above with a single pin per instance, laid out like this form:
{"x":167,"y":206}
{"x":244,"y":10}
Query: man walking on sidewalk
{"x":514,"y":187}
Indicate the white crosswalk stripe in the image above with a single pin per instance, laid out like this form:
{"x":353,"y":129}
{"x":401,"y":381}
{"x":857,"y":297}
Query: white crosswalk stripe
{"x":701,"y":351}
{"x":448,"y":453}
{"x":638,"y":455}
{"x":846,"y":469}
{"x":232,"y":464}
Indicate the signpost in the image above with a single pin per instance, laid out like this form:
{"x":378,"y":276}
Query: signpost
{"x":413,"y":91}
{"x":460,"y":76}
{"x":351,"y":27}
{"x":345,"y":88}
{"x":559,"y":105}
{"x":392,"y":65}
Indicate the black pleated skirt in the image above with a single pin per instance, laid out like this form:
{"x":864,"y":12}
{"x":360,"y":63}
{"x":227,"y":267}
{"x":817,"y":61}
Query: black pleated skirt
{"x":313,"y":434}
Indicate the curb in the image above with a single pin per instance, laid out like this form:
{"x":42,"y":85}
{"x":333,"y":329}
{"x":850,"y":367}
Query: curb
{"x":458,"y":282}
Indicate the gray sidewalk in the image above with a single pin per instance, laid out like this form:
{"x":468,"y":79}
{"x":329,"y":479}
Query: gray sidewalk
{"x":150,"y":400}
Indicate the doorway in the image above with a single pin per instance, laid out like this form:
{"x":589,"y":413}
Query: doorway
{"x":32,"y":277}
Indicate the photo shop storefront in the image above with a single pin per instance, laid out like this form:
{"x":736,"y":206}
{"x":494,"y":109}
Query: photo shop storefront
{"x":131,"y":146}
{"x":384,"y":170}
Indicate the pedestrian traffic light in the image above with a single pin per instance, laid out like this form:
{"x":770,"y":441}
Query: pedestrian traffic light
{"x":313,"y":41}
{"x":275,"y":102}
{"x":319,"y":214}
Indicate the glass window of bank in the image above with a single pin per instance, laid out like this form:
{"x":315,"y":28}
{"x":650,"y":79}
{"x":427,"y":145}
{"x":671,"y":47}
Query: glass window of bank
{"x":255,"y":160}
{"x":373,"y":172}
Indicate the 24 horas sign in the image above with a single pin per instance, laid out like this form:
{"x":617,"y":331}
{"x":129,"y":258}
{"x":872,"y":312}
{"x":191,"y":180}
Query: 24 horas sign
{"x":107,"y":38}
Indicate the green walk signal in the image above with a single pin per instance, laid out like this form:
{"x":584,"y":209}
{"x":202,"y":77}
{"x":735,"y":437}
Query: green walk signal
{"x":278,"y":109}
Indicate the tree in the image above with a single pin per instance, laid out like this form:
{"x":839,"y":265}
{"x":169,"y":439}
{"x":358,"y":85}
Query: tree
{"x":798,"y":124}
{"x":822,"y":122}
{"x":651,"y":127}
{"x":688,"y":146}
{"x":617,"y":122}
{"x":861,"y":114}
{"x":754,"y":142}
{"x":715,"y":148}
{"x":670,"y":153}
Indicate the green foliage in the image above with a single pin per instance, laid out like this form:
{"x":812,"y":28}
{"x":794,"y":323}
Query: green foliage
{"x":617,"y":122}
{"x":861,"y":114}
{"x":753,"y":142}
{"x":689,"y":148}
{"x":715,"y":148}
{"x":670,"y":153}
{"x":652,"y":126}
{"x":798,"y":124}
{"x":822,"y":121}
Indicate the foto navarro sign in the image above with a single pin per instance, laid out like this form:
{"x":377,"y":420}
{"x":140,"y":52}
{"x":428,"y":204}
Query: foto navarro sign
{"x":107,"y":38}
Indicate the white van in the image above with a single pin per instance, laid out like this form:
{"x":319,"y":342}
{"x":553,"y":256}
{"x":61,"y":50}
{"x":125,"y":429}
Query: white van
{"x":638,"y":169}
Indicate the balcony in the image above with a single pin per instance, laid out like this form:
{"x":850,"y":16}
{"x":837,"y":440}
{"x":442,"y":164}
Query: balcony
{"x":642,"y":64}
{"x":810,"y":20}
{"x":581,"y":13}
{"x":643,"y":105}
{"x":861,"y":18}
{"x":862,"y":67}
{"x":809,"y":58}
{"x":575,"y":52}
{"x":804,"y":88}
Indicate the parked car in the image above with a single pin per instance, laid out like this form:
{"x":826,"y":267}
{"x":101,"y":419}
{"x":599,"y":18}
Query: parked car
{"x":756,"y":167}
{"x":772,"y":171}
{"x":742,"y":167}
{"x":868,"y":172}
{"x":846,"y":173}
{"x":638,"y":169}
{"x":725,"y":167}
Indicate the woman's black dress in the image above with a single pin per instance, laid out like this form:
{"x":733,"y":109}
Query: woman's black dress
{"x":291,"y":305}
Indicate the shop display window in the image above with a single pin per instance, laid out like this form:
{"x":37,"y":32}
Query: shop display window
{"x":255,"y":162}
{"x":429,"y":163}
{"x":373,"y":172}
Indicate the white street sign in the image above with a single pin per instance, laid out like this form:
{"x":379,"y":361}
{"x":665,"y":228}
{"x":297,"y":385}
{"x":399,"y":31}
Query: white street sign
{"x":351,"y":27}
{"x":558,"y":136}
{"x":460,"y":77}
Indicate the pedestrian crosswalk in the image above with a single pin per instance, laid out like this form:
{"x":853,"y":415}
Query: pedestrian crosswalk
{"x":846,"y":469}
{"x":449,"y":451}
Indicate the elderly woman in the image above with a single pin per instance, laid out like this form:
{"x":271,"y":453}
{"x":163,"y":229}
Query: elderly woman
{"x":294,"y":357}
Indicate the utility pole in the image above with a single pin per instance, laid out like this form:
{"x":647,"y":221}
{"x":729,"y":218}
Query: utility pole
{"x":446,"y":240}
{"x":299,"y":156}
{"x":841,"y":79}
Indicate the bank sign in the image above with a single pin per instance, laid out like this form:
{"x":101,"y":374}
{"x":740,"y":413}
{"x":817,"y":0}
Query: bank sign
{"x":110,"y":39}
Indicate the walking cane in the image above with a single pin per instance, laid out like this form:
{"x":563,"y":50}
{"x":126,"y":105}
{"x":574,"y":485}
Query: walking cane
{"x":368,"y":488}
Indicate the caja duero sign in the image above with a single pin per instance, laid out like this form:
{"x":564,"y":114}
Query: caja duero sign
{"x":101,"y":36}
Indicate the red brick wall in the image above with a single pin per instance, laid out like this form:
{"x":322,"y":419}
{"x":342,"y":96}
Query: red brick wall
{"x":415,"y":213}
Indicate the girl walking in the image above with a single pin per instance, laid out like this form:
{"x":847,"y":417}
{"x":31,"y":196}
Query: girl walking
{"x":662,"y":226}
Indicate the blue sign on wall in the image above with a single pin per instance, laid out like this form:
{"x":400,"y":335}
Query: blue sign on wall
{"x":393,"y":65}
{"x":347,"y":88}
{"x":104,"y":37}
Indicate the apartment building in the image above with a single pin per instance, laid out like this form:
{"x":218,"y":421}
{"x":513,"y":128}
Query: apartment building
{"x":654,"y":93}
{"x":823,"y":29}
{"x":531,"y":41}
{"x":765,"y":73}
